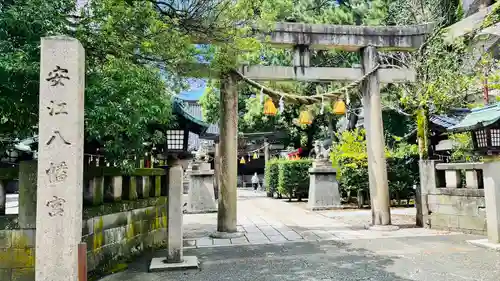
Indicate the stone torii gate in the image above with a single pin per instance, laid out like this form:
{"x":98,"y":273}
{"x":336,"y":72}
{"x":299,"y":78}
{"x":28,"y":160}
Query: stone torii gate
{"x":303,"y":38}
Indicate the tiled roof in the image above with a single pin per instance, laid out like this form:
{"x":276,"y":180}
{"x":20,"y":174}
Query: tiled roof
{"x":478,"y":118}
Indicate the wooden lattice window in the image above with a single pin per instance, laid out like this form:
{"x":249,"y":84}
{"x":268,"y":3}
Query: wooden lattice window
{"x":482,"y":138}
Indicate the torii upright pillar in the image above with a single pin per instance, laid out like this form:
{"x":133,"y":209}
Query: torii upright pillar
{"x":228,"y":162}
{"x":377,"y":165}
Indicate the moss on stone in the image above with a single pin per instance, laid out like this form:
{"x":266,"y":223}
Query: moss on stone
{"x":130,"y":231}
{"x":132,"y":193}
{"x":122,"y":206}
{"x":92,"y":172}
{"x":22,"y":239}
{"x":23,"y":274}
{"x":98,"y":234}
{"x":146,"y":187}
{"x":157,"y":185}
{"x":17,"y":258}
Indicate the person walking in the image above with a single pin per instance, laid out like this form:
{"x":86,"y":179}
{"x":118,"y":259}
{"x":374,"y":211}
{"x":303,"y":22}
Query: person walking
{"x":255,"y":182}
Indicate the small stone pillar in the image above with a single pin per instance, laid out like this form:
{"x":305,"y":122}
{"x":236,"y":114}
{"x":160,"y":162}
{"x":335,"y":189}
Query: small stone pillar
{"x":95,"y":192}
{"x":492,"y":198}
{"x":175,"y":258}
{"x":453,"y":179}
{"x":143,"y":187}
{"x":114,"y":189}
{"x":201,"y":198}
{"x":27,"y":194}
{"x":473,"y":179}
{"x":175,"y":175}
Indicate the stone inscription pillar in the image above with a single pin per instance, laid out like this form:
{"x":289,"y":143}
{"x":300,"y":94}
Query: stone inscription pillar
{"x":60,"y":159}
{"x":377,"y":168}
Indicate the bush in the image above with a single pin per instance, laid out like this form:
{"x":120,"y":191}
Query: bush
{"x":271,"y":175}
{"x":350,"y":158}
{"x":293,"y":178}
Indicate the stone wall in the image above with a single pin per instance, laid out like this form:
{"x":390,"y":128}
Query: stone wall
{"x":123,"y":215}
{"x":448,"y":201}
{"x":111,"y":238}
{"x":17,"y":255}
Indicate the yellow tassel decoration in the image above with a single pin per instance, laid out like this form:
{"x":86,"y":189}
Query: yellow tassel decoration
{"x":339,"y":108}
{"x":305,"y":118}
{"x":269,"y":108}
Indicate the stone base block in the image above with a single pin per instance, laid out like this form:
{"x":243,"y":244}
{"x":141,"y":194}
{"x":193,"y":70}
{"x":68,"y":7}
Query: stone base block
{"x":484,"y":243}
{"x":201,"y":197}
{"x":383,"y":227}
{"x":159,"y":264}
{"x":323,"y":189}
{"x":226,"y":235}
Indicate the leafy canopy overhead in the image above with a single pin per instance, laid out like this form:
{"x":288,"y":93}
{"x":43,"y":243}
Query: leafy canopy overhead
{"x":125,"y":91}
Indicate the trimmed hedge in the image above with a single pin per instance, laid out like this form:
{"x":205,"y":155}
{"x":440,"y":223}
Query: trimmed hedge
{"x":293,"y":178}
{"x":288,"y":177}
{"x":271,"y":175}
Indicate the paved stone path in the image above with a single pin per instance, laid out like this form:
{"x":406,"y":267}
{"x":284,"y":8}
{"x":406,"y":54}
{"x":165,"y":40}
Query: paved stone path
{"x":424,"y":258}
{"x":265,"y":220}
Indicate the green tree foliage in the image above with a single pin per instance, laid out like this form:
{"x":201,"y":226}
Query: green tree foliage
{"x":22,"y":23}
{"x":124,"y":94}
{"x":123,"y":105}
{"x":309,"y":11}
{"x":350,"y":158}
{"x":463,"y":150}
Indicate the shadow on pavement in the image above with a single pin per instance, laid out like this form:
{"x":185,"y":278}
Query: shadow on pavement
{"x":299,"y":261}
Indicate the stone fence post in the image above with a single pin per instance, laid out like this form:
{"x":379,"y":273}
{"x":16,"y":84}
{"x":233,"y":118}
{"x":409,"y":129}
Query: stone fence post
{"x":492,"y":199}
{"x":428,"y":182}
{"x":27,"y":194}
